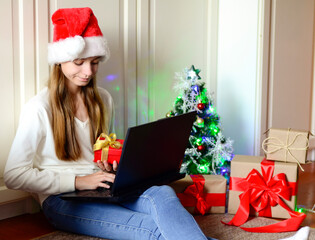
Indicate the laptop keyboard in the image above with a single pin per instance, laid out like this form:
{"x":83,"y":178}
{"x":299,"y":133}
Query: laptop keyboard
{"x":101,"y":189}
{"x":99,"y":193}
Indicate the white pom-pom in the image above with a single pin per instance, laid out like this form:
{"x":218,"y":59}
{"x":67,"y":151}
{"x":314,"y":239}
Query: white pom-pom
{"x":73,"y":46}
{"x":65,"y":50}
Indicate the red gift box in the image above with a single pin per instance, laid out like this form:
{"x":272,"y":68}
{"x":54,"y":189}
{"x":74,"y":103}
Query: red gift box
{"x":201,"y":194}
{"x":108,"y":148}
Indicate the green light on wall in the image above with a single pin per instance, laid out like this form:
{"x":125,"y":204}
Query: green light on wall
{"x":151,"y":113}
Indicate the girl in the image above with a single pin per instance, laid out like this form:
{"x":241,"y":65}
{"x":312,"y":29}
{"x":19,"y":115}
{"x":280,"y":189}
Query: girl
{"x":52,"y":150}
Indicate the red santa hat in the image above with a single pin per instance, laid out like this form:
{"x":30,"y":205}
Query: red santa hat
{"x":76,"y":35}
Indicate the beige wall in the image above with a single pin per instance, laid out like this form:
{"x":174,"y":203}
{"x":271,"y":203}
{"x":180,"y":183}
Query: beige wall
{"x":257,"y":60}
{"x":290,"y":95}
{"x":291,"y":64}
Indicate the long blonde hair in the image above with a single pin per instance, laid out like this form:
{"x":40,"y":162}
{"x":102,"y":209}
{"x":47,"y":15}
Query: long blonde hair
{"x":62,"y":107}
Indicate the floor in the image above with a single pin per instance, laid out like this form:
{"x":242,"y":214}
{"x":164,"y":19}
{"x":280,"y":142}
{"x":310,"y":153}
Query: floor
{"x":306,"y":192}
{"x":30,"y":226}
{"x":24,"y":227}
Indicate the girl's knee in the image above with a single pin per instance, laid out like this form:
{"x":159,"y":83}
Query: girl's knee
{"x":163,"y":191}
{"x":167,"y":190}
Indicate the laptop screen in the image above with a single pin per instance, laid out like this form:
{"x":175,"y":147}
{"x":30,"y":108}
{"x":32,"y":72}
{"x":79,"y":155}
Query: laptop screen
{"x":153,"y":150}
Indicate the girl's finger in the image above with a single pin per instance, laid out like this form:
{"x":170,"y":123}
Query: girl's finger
{"x":108,"y":177}
{"x":115,"y":166}
{"x":100,"y":164}
{"x":107,"y":166}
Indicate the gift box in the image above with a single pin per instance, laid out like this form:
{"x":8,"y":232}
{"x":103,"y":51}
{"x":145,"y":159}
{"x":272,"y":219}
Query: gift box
{"x":266,"y":185}
{"x":286,"y":145}
{"x":201,"y":194}
{"x":108,"y":148}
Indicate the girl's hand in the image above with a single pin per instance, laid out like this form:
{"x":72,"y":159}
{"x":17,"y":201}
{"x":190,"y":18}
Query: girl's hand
{"x":105,"y":166}
{"x":94,"y":180}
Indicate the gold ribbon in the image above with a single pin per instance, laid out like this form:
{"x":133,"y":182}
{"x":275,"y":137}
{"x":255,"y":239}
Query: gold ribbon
{"x":104,"y":144}
{"x":278,"y":145}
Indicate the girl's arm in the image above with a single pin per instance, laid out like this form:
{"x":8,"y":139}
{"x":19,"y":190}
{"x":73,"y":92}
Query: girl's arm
{"x":20,"y":171}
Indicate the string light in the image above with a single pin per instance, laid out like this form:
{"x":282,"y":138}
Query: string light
{"x":305,"y":210}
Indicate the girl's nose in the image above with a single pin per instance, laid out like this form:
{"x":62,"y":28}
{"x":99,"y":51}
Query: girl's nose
{"x":87,"y":69}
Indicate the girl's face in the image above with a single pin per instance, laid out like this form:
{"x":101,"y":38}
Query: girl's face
{"x":79,"y":72}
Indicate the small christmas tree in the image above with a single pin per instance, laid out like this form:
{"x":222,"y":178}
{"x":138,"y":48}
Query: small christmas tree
{"x":208,"y":151}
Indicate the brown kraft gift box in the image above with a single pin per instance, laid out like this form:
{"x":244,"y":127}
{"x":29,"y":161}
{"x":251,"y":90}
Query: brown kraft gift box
{"x":213,"y":191}
{"x":286,"y":145}
{"x":242,"y":165}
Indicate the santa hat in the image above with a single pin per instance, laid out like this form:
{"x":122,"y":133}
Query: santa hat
{"x":76,"y":35}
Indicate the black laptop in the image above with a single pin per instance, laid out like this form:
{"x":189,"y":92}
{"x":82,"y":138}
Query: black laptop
{"x":152,"y":155}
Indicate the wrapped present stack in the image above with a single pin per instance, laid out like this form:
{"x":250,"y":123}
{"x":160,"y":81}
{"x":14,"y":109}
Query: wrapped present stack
{"x":267,"y":186}
{"x":108,"y":148}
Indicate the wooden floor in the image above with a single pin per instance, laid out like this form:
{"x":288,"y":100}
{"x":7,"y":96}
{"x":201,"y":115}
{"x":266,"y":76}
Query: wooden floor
{"x":306,"y":192}
{"x":24,"y":227}
{"x":30,"y":226}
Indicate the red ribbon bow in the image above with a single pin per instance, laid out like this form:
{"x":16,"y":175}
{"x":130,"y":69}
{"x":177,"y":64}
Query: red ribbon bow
{"x":194,"y":196}
{"x":263,"y":192}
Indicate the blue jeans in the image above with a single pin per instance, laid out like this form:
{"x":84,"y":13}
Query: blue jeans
{"x":156,"y":214}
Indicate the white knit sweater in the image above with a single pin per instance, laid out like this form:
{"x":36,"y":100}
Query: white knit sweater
{"x":32,"y":164}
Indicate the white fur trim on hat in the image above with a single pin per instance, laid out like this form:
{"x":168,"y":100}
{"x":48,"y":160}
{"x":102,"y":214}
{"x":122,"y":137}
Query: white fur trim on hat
{"x":76,"y":47}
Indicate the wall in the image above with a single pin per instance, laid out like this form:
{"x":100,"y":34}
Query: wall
{"x":265,"y":69}
{"x":291,"y":66}
{"x":256,"y":56}
{"x":237,"y":82}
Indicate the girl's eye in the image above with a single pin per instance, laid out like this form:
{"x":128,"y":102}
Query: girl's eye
{"x":78,"y":63}
{"x":95,"y":63}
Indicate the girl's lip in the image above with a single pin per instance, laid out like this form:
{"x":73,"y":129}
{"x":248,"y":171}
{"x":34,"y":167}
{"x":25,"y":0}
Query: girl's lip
{"x":84,"y":79}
